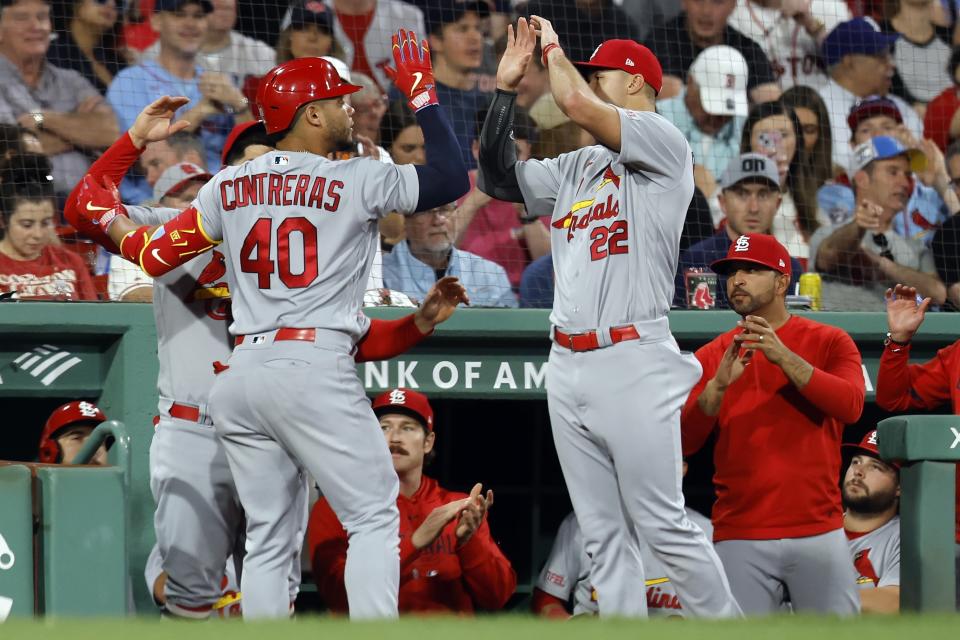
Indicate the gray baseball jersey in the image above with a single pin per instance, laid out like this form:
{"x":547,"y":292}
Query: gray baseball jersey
{"x":566,"y":573}
{"x":876,"y":555}
{"x":608,"y":208}
{"x":300,"y":232}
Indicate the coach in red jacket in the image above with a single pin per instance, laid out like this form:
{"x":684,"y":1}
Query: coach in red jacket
{"x":448,"y":561}
{"x":777,"y":390}
{"x":902,"y":386}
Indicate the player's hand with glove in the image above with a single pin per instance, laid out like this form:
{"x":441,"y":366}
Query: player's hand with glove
{"x":100,"y":203}
{"x":440,"y":303}
{"x":155,"y":122}
{"x":412,"y":71}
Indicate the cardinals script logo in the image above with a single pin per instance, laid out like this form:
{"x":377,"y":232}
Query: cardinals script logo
{"x":211,"y":287}
{"x":583,"y":212}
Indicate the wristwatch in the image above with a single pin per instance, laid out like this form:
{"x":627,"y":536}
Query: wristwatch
{"x":889,"y":341}
{"x":37,"y":119}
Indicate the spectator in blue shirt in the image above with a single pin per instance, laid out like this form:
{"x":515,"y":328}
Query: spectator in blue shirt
{"x":536,"y":284}
{"x":749,"y":198}
{"x":215,"y":102}
{"x":427,"y":254}
{"x":456,"y":47}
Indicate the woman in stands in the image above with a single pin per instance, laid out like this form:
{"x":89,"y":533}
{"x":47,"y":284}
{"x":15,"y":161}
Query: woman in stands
{"x":773,"y":129}
{"x":88,"y":41}
{"x":31,"y":264}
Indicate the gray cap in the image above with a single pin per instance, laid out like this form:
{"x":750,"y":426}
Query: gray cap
{"x":750,"y":166}
{"x":176,"y":177}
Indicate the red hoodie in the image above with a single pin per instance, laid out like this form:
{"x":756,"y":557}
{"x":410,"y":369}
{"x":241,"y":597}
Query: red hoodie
{"x":902,"y":386}
{"x":441,"y":578}
{"x":777,"y":456}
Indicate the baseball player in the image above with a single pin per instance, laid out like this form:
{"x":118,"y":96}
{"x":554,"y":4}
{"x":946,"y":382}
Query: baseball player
{"x":616,"y":379}
{"x":777,"y":390}
{"x":564,"y":586}
{"x":67,"y":430}
{"x":902,"y":386}
{"x":191,"y":304}
{"x":449,"y":562}
{"x":298,"y":233}
{"x":871,"y":499}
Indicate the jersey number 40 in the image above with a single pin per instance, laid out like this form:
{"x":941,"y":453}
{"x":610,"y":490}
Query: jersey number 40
{"x":255,"y":253}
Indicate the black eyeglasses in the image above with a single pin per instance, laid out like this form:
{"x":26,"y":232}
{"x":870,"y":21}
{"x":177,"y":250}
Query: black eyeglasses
{"x":881,"y":241}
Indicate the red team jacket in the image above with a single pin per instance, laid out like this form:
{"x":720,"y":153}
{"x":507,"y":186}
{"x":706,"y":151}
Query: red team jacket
{"x":767,"y":429}
{"x":440,"y":578}
{"x":902,"y":386}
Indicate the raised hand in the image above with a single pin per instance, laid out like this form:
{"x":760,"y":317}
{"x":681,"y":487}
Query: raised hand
{"x":758,"y":335}
{"x":433,"y":524}
{"x":440,"y":303}
{"x":867,"y":215}
{"x":473,"y":514}
{"x":516,"y":58}
{"x":731,"y":365}
{"x":413,"y":71}
{"x":100,"y":203}
{"x":155,"y":122}
{"x":904,"y":313}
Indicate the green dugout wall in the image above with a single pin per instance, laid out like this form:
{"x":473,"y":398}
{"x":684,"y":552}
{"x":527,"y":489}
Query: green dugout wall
{"x":472,"y":367}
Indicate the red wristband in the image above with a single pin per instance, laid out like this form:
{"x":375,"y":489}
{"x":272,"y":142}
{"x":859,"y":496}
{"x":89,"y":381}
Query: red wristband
{"x":546,"y":51}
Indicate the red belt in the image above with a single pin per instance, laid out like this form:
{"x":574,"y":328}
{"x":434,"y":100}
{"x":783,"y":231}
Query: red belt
{"x":307,"y":335}
{"x":185,"y":412}
{"x":588,"y":340}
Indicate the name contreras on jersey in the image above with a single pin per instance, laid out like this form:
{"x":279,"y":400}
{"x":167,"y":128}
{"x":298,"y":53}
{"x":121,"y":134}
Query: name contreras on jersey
{"x":280,"y":190}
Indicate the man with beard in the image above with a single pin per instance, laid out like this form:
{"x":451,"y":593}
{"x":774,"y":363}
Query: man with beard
{"x":871,"y":497}
{"x":777,"y":389}
{"x":860,"y":259}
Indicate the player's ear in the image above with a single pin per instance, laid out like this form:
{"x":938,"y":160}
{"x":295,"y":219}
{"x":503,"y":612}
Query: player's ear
{"x":428,"y":442}
{"x":783,"y":283}
{"x":636,"y":84}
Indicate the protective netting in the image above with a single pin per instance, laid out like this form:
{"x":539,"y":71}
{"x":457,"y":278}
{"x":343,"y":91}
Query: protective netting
{"x":856,"y":118}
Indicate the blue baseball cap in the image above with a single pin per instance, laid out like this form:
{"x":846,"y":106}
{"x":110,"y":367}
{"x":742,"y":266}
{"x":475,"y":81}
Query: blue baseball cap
{"x":858,"y":36}
{"x":438,"y":13}
{"x":882,"y":148}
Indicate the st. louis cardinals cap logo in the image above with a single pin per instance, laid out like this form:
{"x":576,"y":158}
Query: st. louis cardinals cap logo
{"x":742,"y":244}
{"x":88,"y":410}
{"x":398,"y":396}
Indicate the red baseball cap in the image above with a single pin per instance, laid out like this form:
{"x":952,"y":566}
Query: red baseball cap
{"x":407,"y":402}
{"x":235,"y":134}
{"x":629,"y":56}
{"x":868,"y":446}
{"x":757,"y":248}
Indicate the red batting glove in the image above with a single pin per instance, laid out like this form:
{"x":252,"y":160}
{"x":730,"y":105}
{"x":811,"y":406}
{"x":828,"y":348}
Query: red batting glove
{"x":100,"y":203}
{"x":412,"y":71}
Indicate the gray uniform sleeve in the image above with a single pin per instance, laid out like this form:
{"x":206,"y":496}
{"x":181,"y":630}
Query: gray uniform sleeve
{"x":211,"y":217}
{"x":151,"y":215}
{"x":653,"y":144}
{"x":562,"y":569}
{"x":387,"y":187}
{"x":539,"y":182}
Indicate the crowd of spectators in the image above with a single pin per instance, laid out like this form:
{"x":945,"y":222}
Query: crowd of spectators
{"x":804,"y":83}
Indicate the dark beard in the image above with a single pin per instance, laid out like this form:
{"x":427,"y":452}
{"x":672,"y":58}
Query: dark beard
{"x":868,"y":504}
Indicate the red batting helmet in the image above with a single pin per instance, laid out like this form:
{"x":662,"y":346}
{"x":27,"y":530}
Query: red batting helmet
{"x":78,"y":411}
{"x":289,"y":86}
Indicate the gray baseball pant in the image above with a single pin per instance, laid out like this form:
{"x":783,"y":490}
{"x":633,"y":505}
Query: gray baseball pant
{"x":615,"y":414}
{"x":287,"y":406}
{"x":816,"y":572}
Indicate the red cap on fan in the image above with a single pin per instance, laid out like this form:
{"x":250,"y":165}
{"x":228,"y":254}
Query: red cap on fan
{"x":629,"y":56}
{"x":407,"y":402}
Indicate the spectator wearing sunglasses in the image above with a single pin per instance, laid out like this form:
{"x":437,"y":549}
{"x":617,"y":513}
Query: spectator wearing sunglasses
{"x":860,"y":259}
